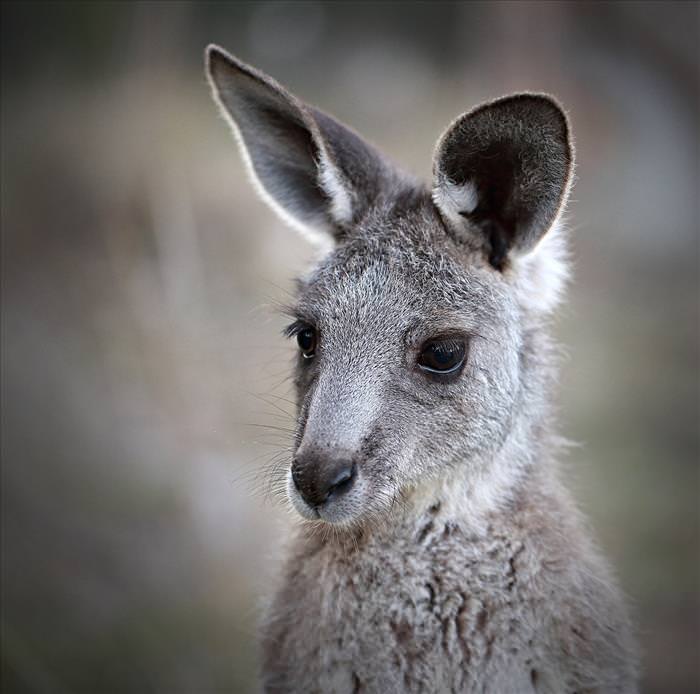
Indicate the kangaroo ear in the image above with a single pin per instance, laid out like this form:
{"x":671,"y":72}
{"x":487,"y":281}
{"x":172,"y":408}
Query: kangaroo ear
{"x":317,"y":174}
{"x":502,"y":173}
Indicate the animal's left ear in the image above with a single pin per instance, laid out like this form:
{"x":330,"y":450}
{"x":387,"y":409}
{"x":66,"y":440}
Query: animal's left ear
{"x":502,"y":174}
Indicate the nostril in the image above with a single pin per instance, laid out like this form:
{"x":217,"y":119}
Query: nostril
{"x":296,"y":477}
{"x":342,"y":481}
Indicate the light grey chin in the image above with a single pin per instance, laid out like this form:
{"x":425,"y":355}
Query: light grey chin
{"x":341,"y":512}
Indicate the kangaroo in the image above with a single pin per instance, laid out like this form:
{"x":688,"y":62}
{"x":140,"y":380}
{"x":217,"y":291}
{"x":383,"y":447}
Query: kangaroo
{"x":439,"y":550}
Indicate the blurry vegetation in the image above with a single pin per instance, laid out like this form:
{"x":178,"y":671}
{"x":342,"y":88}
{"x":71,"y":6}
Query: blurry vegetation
{"x":139,"y":340}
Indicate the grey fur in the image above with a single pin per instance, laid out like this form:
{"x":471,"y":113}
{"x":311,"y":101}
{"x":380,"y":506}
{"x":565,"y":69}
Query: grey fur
{"x":457,"y":562}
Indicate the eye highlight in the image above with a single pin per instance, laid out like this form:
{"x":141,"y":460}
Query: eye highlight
{"x":307,"y":339}
{"x":442,"y":356}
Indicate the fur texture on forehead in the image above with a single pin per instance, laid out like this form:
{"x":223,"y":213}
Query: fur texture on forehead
{"x":405,"y":258}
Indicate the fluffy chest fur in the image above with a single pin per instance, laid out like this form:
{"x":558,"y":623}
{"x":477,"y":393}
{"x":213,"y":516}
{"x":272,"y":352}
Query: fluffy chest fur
{"x":434,"y":607}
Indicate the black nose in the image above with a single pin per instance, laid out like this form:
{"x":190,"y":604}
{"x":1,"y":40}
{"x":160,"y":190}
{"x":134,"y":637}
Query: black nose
{"x":320,"y":479}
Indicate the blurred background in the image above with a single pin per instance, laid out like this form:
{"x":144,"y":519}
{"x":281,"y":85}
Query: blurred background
{"x":141,"y":348}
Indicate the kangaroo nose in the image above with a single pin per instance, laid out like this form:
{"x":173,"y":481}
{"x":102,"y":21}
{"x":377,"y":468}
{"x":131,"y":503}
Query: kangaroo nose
{"x":322,"y":479}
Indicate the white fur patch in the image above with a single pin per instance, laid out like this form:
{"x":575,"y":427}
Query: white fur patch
{"x":452,"y":199}
{"x":473,"y":492}
{"x":337,"y":191}
{"x":541,"y":275}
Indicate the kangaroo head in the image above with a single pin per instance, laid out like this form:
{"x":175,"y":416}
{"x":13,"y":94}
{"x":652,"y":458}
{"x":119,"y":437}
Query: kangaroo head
{"x":414,"y":331}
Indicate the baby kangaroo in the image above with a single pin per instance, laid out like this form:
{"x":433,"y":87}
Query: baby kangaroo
{"x":439,"y":552}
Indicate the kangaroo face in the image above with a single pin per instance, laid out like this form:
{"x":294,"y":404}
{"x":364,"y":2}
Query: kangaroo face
{"x":408,"y":365}
{"x":411,"y":331}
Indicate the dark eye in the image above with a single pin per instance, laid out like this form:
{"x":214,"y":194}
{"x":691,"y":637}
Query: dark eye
{"x":443,"y":356}
{"x":306,"y":339}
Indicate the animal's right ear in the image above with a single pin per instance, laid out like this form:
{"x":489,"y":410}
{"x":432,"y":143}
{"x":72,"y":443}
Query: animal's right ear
{"x":317,"y":174}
